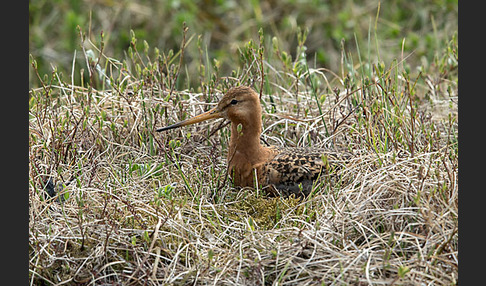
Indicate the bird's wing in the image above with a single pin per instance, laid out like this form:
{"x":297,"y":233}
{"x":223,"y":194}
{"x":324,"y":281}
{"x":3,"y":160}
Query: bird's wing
{"x":294,"y":170}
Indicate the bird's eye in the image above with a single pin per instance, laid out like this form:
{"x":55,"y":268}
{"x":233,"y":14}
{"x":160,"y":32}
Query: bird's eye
{"x":234,"y":101}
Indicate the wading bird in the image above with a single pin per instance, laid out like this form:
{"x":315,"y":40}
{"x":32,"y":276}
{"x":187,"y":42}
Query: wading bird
{"x":284,"y":171}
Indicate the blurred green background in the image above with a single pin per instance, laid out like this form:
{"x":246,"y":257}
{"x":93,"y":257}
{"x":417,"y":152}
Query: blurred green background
{"x":421,"y":28}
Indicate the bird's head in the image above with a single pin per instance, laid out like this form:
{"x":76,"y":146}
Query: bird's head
{"x":239,"y":105}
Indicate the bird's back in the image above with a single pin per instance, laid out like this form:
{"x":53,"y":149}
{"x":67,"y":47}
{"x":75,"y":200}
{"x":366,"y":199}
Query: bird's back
{"x":294,"y":169}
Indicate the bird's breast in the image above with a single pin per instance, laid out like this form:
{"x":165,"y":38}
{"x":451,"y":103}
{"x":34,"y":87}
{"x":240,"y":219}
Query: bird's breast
{"x":246,"y":170}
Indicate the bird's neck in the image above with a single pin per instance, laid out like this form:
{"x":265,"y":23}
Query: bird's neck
{"x":245,"y":139}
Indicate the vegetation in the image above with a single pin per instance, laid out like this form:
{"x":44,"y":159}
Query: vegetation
{"x":111,"y":201}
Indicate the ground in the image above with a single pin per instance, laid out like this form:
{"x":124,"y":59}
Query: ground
{"x":128,"y":205}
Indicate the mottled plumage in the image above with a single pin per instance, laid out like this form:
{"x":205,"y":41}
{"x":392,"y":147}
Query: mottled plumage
{"x":283,"y":171}
{"x":294,"y":170}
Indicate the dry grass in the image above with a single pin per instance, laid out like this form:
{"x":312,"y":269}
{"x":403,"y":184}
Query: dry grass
{"x":134,"y":207}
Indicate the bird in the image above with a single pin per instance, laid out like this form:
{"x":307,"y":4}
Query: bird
{"x":278,"y":170}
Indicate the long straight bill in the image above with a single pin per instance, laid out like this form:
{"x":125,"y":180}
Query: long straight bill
{"x":213,"y":113}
